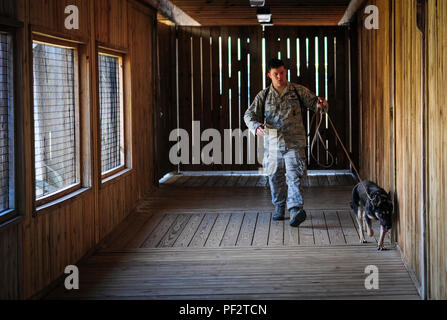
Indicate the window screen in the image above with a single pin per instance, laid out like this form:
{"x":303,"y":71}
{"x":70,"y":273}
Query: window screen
{"x":111,"y":110}
{"x":6,"y":125}
{"x":55,"y":118}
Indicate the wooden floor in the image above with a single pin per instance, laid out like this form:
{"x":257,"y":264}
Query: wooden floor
{"x":254,"y":181}
{"x":213,"y":237}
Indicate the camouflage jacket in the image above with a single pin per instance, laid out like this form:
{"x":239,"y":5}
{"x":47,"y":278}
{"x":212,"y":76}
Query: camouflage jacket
{"x":283,"y":113}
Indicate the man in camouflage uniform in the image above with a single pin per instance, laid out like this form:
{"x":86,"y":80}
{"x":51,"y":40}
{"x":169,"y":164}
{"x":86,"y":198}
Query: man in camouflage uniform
{"x":285,"y":141}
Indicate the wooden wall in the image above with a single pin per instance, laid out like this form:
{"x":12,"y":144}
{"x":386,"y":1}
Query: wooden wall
{"x":436,"y":147}
{"x":392,"y":122}
{"x":390,"y":92}
{"x":408,"y":126}
{"x":62,"y":234}
{"x":375,"y":74}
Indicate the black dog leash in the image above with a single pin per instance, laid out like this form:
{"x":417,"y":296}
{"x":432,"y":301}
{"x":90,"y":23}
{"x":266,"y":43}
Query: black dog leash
{"x":317,"y":133}
{"x":314,"y":140}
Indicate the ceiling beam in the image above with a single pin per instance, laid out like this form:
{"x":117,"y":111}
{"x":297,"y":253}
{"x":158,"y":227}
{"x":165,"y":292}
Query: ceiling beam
{"x":172,"y":12}
{"x":354,"y":5}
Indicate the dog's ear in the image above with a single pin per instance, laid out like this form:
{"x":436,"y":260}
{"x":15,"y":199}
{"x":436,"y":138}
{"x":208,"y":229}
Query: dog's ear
{"x":390,"y":201}
{"x":389,"y":198}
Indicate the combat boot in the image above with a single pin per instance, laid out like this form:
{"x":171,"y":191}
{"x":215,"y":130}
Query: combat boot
{"x":297,"y":216}
{"x":279,"y":213}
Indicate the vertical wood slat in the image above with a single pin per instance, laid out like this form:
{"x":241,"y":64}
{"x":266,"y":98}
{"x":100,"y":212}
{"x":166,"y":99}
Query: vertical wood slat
{"x":184,"y":65}
{"x":255,"y":50}
{"x":243,"y":103}
{"x":311,"y":68}
{"x":341,"y":101}
{"x":331,"y":89}
{"x":167,"y":119}
{"x":206,"y":111}
{"x":321,"y":93}
{"x":233,"y":86}
{"x":215,"y":102}
{"x":408,"y":134}
{"x":304,"y":74}
{"x":197,"y":94}
{"x":225,"y":99}
{"x":292,"y":65}
{"x":282,"y":34}
{"x":436,"y":47}
{"x":303,"y":78}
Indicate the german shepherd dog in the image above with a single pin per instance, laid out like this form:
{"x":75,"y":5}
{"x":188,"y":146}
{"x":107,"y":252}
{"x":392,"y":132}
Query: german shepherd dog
{"x":379,"y":207}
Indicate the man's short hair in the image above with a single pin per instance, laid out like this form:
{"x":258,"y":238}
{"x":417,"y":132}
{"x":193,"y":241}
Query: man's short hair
{"x":275,"y":63}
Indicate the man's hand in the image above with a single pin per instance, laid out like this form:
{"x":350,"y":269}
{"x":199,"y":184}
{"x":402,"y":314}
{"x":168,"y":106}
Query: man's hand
{"x":322,"y":104}
{"x":260,"y":130}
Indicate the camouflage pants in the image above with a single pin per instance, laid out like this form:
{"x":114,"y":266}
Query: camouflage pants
{"x":286,"y":171}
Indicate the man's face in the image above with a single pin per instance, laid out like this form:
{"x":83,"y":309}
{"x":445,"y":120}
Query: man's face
{"x":278,"y":76}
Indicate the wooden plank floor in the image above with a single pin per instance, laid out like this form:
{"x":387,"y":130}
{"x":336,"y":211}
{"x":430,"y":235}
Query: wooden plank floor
{"x":241,"y":273}
{"x":208,"y":242}
{"x":235,"y":228}
{"x":195,"y":181}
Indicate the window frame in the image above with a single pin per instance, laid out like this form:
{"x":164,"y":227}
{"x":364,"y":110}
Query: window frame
{"x":11,"y":214}
{"x":124,"y":168}
{"x":48,"y":200}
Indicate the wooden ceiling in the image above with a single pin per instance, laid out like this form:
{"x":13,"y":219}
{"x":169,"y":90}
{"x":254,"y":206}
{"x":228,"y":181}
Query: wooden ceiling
{"x":284,"y":12}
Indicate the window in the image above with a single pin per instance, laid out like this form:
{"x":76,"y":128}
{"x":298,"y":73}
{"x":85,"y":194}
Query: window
{"x":56,"y":119}
{"x":7,"y":199}
{"x":111,"y":113}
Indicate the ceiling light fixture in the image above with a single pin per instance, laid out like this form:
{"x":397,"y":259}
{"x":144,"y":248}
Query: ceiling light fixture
{"x":267,"y":24}
{"x":264,"y":15}
{"x":257,"y":3}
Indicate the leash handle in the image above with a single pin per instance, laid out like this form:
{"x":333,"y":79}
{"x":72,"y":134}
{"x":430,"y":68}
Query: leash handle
{"x":314,"y":140}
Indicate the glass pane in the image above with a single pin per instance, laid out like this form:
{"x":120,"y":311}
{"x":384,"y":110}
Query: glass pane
{"x":111,"y":110}
{"x":6,"y":125}
{"x":55,"y":119}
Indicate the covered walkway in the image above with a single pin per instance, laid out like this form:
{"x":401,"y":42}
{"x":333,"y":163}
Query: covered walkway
{"x":183,"y":242}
